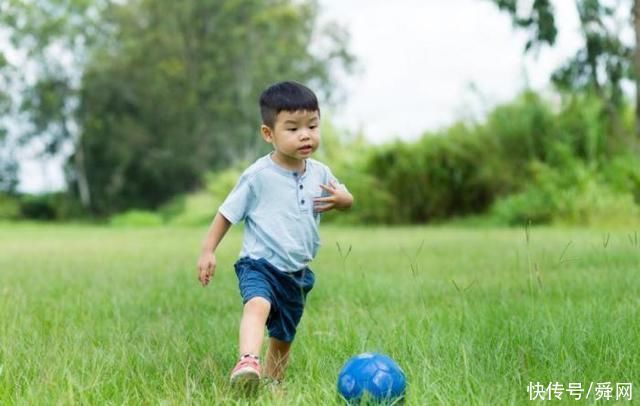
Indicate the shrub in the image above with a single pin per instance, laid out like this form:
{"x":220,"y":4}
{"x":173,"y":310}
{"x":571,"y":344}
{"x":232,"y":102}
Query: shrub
{"x":136,"y":218}
{"x":9,"y":207}
{"x":38,"y":207}
{"x":441,"y":176}
{"x":574,"y":194}
{"x":199,"y":208}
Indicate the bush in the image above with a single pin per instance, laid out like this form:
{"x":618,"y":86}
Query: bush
{"x":38,"y":207}
{"x":9,"y":207}
{"x":575,"y":194}
{"x":50,"y":207}
{"x":136,"y":218}
{"x":623,"y":174}
{"x":441,"y":176}
{"x":199,"y":208}
{"x":372,"y":202}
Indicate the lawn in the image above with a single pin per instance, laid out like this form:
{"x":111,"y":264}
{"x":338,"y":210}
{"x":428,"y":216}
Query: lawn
{"x":98,"y":315}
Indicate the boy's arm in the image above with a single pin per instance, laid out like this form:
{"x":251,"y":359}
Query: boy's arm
{"x":207,"y":261}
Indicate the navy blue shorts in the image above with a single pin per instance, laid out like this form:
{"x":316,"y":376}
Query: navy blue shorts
{"x":286,"y":291}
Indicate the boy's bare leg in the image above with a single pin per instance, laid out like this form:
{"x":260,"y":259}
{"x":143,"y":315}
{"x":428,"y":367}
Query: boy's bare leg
{"x":254,"y":318}
{"x":277,"y":358}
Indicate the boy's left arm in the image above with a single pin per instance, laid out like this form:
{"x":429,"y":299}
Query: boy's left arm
{"x":339,"y":198}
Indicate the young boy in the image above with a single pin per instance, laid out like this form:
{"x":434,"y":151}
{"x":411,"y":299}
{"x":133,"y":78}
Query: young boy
{"x":280,"y":198}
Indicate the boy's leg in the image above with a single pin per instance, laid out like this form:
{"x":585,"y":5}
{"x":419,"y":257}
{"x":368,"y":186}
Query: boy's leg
{"x":254,"y":318}
{"x":277,"y":358}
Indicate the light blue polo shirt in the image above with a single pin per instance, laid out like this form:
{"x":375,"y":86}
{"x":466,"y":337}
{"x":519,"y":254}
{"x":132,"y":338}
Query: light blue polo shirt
{"x":276,"y":205}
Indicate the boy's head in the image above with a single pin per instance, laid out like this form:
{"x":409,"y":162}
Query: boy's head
{"x":290,"y":121}
{"x":286,"y":96}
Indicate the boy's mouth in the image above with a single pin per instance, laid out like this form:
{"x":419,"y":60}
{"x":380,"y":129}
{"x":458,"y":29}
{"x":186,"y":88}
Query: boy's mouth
{"x":305,"y":149}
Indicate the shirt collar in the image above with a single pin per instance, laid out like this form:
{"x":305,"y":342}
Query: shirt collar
{"x":287,"y":172}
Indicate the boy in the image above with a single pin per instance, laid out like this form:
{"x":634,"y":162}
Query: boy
{"x":280,"y":198}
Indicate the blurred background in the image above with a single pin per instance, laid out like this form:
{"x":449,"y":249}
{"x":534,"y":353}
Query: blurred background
{"x":496,"y":112}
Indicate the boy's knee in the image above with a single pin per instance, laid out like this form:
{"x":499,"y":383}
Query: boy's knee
{"x":258,"y":305}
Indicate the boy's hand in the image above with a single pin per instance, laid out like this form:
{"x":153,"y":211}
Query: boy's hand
{"x":206,"y":267}
{"x":338,"y":199}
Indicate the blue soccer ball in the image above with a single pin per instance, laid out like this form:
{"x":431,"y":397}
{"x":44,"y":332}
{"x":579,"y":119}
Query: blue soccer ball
{"x":371,"y":376}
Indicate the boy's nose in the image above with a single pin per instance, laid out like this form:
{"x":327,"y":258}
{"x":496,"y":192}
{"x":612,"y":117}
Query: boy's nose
{"x":304,"y":135}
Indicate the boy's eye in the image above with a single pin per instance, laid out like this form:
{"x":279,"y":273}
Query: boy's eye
{"x":291,"y":129}
{"x":313,"y":126}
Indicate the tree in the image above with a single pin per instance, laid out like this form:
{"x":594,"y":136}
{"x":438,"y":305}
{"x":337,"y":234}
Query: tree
{"x":636,"y":26}
{"x":8,"y":162}
{"x":540,"y":21}
{"x":175,"y":93}
{"x":56,"y":37}
{"x":159,"y":91}
{"x":601,"y":65}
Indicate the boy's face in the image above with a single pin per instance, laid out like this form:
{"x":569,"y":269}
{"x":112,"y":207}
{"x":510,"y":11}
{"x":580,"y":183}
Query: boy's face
{"x":295,"y":136}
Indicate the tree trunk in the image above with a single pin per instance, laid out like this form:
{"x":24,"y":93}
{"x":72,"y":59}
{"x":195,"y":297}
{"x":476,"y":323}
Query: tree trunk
{"x":80,"y":167}
{"x":81,"y":172}
{"x":636,"y":24}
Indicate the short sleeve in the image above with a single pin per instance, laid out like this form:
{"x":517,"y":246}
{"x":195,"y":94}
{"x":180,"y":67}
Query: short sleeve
{"x":236,"y":206}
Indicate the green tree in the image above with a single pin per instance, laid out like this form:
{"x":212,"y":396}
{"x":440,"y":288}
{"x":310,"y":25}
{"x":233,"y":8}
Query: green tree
{"x":8,"y":161}
{"x":56,"y":38}
{"x":604,"y":61}
{"x":161,"y":91}
{"x":636,"y":26}
{"x":175,"y":93}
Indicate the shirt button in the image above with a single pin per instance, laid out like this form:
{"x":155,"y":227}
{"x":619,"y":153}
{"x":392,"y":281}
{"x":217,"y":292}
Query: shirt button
{"x":295,"y":174}
{"x":302,"y":201}
{"x":301,"y":187}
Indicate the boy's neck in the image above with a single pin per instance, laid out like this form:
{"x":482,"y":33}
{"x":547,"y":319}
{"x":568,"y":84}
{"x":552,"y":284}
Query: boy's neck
{"x":294,"y":165}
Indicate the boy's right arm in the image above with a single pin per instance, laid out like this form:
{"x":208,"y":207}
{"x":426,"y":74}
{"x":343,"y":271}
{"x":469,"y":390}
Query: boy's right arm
{"x":207,"y":261}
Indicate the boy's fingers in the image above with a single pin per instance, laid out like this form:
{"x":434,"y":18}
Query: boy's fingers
{"x":323,"y":199}
{"x":323,"y":207}
{"x":328,"y":188}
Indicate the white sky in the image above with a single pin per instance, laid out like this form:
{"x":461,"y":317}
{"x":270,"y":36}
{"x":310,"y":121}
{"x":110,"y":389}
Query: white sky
{"x":418,"y":61}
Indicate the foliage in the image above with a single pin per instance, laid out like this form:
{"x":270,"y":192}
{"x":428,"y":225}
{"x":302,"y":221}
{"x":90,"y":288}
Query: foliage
{"x":55,"y":39}
{"x":602,"y":64}
{"x":623,"y":175}
{"x":573,"y":194}
{"x":540,"y":163}
{"x":347,"y":154}
{"x":8,"y":170}
{"x":540,"y":22}
{"x":440,"y":176}
{"x":136,"y":218}
{"x":8,"y":161}
{"x":199,"y":208}
{"x":530,"y":161}
{"x":50,"y":206}
{"x":160,"y":92}
{"x":9,"y":207}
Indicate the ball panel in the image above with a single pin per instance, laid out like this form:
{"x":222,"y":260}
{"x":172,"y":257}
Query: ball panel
{"x":371,"y":375}
{"x":348,"y":386}
{"x":381,"y":385}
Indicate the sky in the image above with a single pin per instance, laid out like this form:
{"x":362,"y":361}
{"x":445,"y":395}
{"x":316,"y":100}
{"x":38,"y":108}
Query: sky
{"x":422,"y":64}
{"x":426,"y":63}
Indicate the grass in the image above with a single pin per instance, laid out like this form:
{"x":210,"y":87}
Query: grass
{"x":110,"y":315}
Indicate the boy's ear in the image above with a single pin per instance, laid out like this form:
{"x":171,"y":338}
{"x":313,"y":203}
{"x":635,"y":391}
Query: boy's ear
{"x":267,"y":133}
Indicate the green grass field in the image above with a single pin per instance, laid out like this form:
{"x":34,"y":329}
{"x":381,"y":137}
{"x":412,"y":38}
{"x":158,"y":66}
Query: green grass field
{"x":96,"y":315}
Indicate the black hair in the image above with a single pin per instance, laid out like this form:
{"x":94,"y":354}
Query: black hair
{"x":286,"y":96}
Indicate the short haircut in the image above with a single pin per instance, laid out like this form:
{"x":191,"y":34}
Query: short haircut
{"x":286,"y":96}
